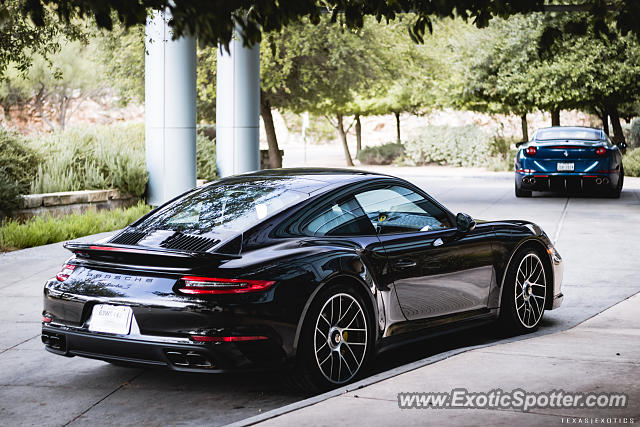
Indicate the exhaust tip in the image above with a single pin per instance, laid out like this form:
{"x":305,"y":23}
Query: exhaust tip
{"x":189,"y":359}
{"x":605,"y":180}
{"x":598,"y":181}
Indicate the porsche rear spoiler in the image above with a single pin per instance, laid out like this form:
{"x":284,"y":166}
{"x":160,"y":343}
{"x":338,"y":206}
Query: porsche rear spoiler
{"x":151,"y":257}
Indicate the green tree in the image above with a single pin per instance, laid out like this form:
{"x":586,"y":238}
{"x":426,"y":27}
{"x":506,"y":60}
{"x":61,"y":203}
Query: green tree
{"x":516,"y":70}
{"x":60,"y":83}
{"x":121,"y":53}
{"x":214,"y":21}
{"x":318,"y":68}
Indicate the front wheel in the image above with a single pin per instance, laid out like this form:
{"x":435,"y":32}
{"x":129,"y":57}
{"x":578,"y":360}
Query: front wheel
{"x":524,"y":292}
{"x":336,"y":341}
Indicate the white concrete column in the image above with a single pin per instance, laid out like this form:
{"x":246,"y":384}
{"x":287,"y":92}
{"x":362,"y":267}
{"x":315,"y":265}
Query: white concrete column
{"x":238,"y":108}
{"x":170,"y":110}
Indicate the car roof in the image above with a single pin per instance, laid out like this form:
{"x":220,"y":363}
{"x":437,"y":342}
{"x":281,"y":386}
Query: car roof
{"x":306,"y":180}
{"x":568,"y":128}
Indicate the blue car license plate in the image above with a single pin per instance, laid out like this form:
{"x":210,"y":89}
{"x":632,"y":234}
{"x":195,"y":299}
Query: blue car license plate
{"x":564,"y":167}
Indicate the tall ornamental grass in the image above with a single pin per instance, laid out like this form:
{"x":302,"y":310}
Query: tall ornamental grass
{"x":88,"y":158}
{"x":42,"y":230}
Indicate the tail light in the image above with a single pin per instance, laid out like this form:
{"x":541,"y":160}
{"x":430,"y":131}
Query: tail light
{"x":209,"y":285}
{"x":601,"y":151}
{"x":531,"y":151}
{"x":65,"y":272}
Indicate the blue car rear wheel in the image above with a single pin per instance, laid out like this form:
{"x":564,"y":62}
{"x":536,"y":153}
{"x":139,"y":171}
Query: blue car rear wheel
{"x":522,"y":193}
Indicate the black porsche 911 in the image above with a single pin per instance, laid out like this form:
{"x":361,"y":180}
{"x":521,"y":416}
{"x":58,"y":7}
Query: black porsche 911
{"x":316,"y":270}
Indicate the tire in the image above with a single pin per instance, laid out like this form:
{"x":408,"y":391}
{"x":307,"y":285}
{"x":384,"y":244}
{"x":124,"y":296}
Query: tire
{"x":524,"y":292}
{"x":336,"y":343}
{"x":615,"y":194}
{"x":522,"y":193}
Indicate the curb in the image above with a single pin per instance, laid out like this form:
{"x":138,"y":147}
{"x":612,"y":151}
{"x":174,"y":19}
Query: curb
{"x":395,"y":372}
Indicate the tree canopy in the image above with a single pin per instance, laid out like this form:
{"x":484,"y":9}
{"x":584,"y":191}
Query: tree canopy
{"x":514,"y":70}
{"x":213,"y":22}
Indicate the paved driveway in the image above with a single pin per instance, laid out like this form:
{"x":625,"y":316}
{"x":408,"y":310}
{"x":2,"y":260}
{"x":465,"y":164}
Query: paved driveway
{"x":598,"y":238}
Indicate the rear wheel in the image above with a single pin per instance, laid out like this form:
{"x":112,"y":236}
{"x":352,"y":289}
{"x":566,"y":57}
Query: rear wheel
{"x":615,"y":193}
{"x":524,"y":293}
{"x":522,"y":193}
{"x":336,"y":341}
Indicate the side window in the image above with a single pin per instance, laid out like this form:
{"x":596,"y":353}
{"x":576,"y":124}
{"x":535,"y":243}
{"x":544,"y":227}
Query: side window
{"x":397,"y":209}
{"x":340,"y":219}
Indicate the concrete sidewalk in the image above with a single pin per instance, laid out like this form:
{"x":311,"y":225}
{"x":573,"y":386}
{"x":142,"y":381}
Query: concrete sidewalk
{"x":601,"y":354}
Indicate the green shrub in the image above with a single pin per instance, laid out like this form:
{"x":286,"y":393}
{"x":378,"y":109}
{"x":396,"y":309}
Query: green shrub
{"x":18,"y":166}
{"x":100,"y":157}
{"x":464,"y":146}
{"x":631,"y":162}
{"x":95,"y":157}
{"x":206,"y":157}
{"x":43,"y":230}
{"x":634,"y":141}
{"x":381,"y":154}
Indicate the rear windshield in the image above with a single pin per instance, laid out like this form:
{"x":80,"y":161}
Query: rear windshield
{"x":222,"y":208}
{"x":581,"y":134}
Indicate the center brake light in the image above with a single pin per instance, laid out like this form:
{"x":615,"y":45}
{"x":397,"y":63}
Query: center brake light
{"x":531,"y":151}
{"x":194,"y":285}
{"x":65,"y":272}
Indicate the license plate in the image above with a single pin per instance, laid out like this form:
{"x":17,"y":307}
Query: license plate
{"x":565,"y":167}
{"x":113,"y":319}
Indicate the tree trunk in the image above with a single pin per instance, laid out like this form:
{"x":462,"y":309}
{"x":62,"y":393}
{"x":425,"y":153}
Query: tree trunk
{"x":397,"y":114}
{"x":62,"y":114}
{"x":555,"y":117}
{"x":525,"y":127}
{"x":343,"y":138}
{"x":618,"y":135}
{"x":275,"y":159}
{"x":39,"y":98}
{"x":358,"y":135}
{"x":605,"y":121}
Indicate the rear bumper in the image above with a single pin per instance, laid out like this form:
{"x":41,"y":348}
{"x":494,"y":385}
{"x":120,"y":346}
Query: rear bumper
{"x":164,"y":352}
{"x":563,"y":182}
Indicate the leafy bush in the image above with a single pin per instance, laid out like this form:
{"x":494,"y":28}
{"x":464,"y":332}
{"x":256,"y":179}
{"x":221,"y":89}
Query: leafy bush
{"x":101,"y":157}
{"x":381,"y":155}
{"x":635,"y":133}
{"x":501,"y":156}
{"x":91,"y":158}
{"x":464,"y":146}
{"x":206,"y":157}
{"x":631,"y":162}
{"x":18,"y":164}
{"x":43,"y":230}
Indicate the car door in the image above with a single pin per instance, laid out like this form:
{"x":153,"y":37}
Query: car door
{"x":436,"y":270}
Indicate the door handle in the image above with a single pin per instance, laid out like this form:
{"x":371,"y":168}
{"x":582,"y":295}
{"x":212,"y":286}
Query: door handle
{"x":404,"y":263}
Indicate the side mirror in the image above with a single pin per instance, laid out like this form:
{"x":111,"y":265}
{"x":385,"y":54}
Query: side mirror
{"x":465,"y":223}
{"x":518,"y":144}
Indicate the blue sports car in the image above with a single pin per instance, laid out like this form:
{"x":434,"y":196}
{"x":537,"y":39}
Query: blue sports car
{"x":569,"y":159}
